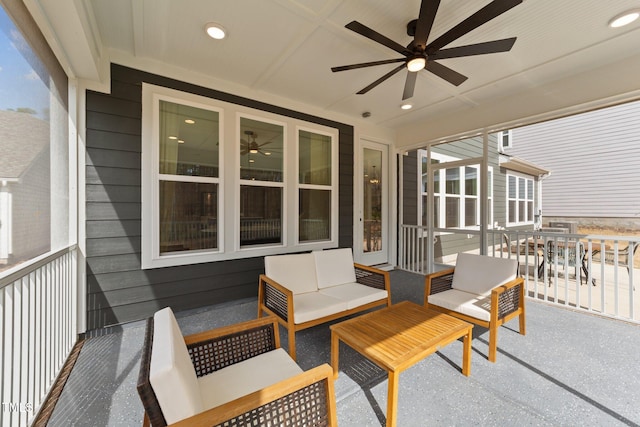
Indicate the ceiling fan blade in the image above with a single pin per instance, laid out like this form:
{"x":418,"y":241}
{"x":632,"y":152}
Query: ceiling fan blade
{"x":445,"y":73}
{"x":428,"y":10}
{"x":495,"y":46}
{"x":381,"y":79}
{"x":484,"y":15}
{"x":366,"y":64}
{"x":409,"y":85}
{"x":367,"y":32}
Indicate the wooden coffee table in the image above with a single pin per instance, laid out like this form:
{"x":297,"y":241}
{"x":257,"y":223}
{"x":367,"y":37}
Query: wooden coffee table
{"x":397,"y":337}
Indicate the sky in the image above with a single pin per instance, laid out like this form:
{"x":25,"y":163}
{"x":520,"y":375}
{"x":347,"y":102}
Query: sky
{"x":20,"y":84}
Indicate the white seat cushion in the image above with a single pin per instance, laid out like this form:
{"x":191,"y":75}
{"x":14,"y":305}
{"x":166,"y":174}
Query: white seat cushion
{"x":295,"y":272}
{"x":355,"y":294}
{"x":334,"y":267}
{"x":314,"y":305}
{"x":172,"y":375}
{"x":478,"y":306}
{"x":479,"y":274}
{"x":245,"y":377}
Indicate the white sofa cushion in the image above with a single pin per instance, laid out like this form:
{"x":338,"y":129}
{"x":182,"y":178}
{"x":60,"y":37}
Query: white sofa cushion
{"x":355,"y":294}
{"x":171,"y":374}
{"x":334,"y":267}
{"x":479,"y":274}
{"x":245,"y":377}
{"x":474,"y":305}
{"x":295,"y":272}
{"x":314,"y":305}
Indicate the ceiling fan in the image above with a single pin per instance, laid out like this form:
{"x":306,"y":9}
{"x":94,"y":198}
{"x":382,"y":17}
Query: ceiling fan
{"x":252,"y":147}
{"x":419,"y":54}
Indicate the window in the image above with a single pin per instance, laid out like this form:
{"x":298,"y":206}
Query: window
{"x":261,"y":182}
{"x":279,"y":193}
{"x":188,"y":178}
{"x":456,"y":193}
{"x":520,"y":200}
{"x":34,"y":165}
{"x":314,"y":186}
{"x":505,"y":139}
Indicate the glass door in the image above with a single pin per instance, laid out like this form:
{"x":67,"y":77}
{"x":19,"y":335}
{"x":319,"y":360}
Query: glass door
{"x":373,"y":205}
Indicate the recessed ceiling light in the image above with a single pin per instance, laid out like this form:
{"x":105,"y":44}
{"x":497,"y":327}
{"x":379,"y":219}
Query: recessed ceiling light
{"x":189,"y":121}
{"x":251,"y":161}
{"x":180,"y":141}
{"x":267,"y":153}
{"x":406,"y":106}
{"x":173,"y":137}
{"x":624,"y":18}
{"x":215,"y":31}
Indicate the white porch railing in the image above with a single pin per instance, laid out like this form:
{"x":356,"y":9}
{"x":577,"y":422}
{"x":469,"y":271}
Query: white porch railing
{"x":594,"y":273}
{"x":38,"y":329}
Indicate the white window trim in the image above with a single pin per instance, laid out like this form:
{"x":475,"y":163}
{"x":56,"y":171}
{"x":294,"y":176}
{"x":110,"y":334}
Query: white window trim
{"x":274,"y":184}
{"x":509,"y":133}
{"x":443,"y":159}
{"x":333,"y":232}
{"x":527,"y":178}
{"x":229,"y":182}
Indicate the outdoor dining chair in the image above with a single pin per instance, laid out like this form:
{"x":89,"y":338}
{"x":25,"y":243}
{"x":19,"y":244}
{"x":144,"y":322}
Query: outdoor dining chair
{"x":625,"y":255}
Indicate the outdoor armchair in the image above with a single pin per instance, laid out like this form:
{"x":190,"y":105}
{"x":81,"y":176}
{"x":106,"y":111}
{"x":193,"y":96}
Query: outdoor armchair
{"x":479,"y":289}
{"x":233,"y":376}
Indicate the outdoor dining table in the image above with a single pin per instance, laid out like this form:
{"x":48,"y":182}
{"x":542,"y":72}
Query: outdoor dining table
{"x":537,"y":243}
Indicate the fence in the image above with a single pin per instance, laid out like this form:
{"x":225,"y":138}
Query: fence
{"x":557,"y":267}
{"x":38,"y":329}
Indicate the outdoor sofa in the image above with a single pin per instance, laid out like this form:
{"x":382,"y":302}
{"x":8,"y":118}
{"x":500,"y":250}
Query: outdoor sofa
{"x":305,"y":290}
{"x":480,"y":289}
{"x":233,"y":376}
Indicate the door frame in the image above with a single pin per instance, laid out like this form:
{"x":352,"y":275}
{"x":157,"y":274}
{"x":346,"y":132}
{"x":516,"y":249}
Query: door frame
{"x":386,"y":255}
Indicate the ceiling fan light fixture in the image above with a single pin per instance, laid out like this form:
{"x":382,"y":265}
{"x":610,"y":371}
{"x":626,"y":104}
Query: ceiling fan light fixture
{"x":624,"y":18}
{"x":253,"y":151}
{"x":416,"y":64}
{"x":215,"y":31}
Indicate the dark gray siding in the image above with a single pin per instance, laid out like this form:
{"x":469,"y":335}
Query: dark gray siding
{"x":410,"y":182}
{"x":118,"y":290}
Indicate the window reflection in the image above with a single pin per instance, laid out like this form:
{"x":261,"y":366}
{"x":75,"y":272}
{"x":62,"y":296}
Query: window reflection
{"x":188,"y":191}
{"x":188,"y":216}
{"x":372,"y":215}
{"x":34,"y":164}
{"x":260,"y":215}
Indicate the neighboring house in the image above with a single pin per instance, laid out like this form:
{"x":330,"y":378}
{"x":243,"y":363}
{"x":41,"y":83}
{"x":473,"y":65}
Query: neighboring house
{"x":24,"y":188}
{"x":513,"y":192}
{"x":594,"y":177}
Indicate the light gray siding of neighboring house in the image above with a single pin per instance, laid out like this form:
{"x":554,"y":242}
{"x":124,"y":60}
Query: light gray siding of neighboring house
{"x":594,"y":159}
{"x":448,"y":244}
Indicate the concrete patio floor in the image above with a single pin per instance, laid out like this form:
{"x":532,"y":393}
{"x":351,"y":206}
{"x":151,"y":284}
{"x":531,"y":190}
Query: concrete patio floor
{"x":570,"y":369}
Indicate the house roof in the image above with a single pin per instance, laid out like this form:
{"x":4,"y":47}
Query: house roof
{"x":566,"y":58}
{"x":519,"y":165}
{"x":18,"y":153}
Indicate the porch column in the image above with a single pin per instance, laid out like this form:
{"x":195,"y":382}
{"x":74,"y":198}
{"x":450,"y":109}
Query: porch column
{"x":484,"y":192}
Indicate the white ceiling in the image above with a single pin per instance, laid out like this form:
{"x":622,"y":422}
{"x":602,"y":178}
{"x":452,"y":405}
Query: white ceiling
{"x":565,"y":58}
